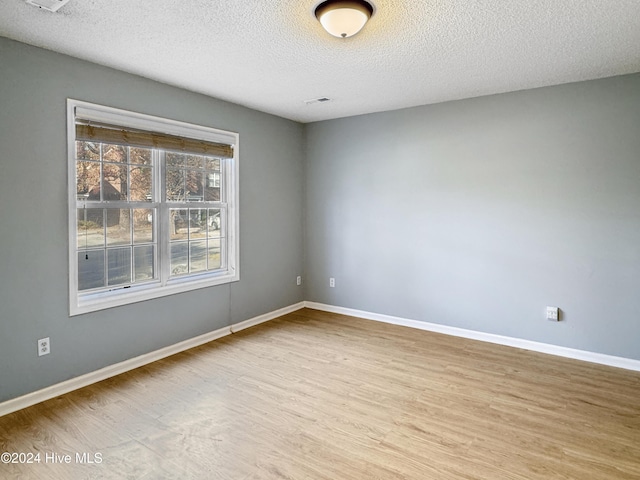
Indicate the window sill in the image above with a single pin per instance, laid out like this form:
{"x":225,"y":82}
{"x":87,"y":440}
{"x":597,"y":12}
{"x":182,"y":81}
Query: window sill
{"x":94,"y":302}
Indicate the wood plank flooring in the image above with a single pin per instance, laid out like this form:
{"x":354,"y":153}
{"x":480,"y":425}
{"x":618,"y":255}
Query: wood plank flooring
{"x":315,"y":395}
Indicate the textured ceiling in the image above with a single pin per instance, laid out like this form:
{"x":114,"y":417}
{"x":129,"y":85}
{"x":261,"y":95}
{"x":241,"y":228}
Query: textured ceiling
{"x":273,"y":55}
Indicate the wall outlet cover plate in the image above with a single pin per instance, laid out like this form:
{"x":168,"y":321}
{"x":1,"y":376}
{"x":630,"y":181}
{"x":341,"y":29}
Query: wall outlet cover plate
{"x":44,"y":346}
{"x":553,"y":313}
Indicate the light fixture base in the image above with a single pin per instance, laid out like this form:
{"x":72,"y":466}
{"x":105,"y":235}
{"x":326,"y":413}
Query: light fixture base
{"x":343,"y":18}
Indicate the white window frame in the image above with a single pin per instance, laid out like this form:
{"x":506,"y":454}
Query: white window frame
{"x":83,"y":302}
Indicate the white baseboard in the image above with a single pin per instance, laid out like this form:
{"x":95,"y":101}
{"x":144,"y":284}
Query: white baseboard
{"x":90,"y":378}
{"x":67,"y":386}
{"x":601,"y":358}
{"x":236,"y":327}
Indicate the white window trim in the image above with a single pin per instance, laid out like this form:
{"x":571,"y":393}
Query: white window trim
{"x":82,"y":303}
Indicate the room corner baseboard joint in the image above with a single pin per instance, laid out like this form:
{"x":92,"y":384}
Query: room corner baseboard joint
{"x":593,"y":357}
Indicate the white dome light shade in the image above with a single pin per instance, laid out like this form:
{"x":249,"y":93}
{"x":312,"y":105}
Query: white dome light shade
{"x":343,"y":18}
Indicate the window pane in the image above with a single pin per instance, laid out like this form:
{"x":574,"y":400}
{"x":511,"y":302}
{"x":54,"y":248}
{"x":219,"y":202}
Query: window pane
{"x":114,"y":153}
{"x":213,"y":179}
{"x":179,"y":224}
{"x":212,"y":187}
{"x":215,"y":257}
{"x":140,"y":155}
{"x":143,"y":225}
{"x":119,"y":266}
{"x":194,"y":182}
{"x":175,"y":159}
{"x":143,"y":263}
{"x":214,"y":222}
{"x":87,"y":180}
{"x":90,"y":269}
{"x":90,"y":232}
{"x":114,"y":184}
{"x":212,"y":164}
{"x":197,"y":223}
{"x":175,"y":185}
{"x":140,"y":183}
{"x":198,"y":256}
{"x":118,"y":226}
{"x":179,"y":258}
{"x":195,"y":161}
{"x":88,"y":150}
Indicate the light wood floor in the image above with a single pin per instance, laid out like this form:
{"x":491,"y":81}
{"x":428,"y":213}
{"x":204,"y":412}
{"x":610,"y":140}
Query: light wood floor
{"x":315,"y":395}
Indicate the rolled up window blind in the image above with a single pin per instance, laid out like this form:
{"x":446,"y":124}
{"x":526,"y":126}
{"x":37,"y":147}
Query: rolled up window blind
{"x":96,"y":132}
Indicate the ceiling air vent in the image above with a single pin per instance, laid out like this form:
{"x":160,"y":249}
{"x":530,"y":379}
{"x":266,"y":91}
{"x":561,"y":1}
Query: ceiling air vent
{"x":317,"y":100}
{"x":51,"y":5}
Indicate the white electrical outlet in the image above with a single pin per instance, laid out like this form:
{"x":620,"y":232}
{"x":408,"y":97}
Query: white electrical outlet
{"x":332,"y":282}
{"x":553,"y":314}
{"x":44,"y":346}
{"x":298,"y":280}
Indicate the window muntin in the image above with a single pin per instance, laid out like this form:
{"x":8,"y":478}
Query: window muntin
{"x":147,"y":221}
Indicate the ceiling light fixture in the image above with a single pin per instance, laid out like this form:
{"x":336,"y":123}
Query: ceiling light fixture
{"x":344,"y":18}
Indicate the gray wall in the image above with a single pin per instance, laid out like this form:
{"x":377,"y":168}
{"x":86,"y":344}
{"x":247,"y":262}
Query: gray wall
{"x":480,"y":213}
{"x":475,"y":214}
{"x":34,"y":86}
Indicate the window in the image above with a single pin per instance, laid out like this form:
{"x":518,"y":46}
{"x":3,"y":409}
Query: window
{"x":152,"y":207}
